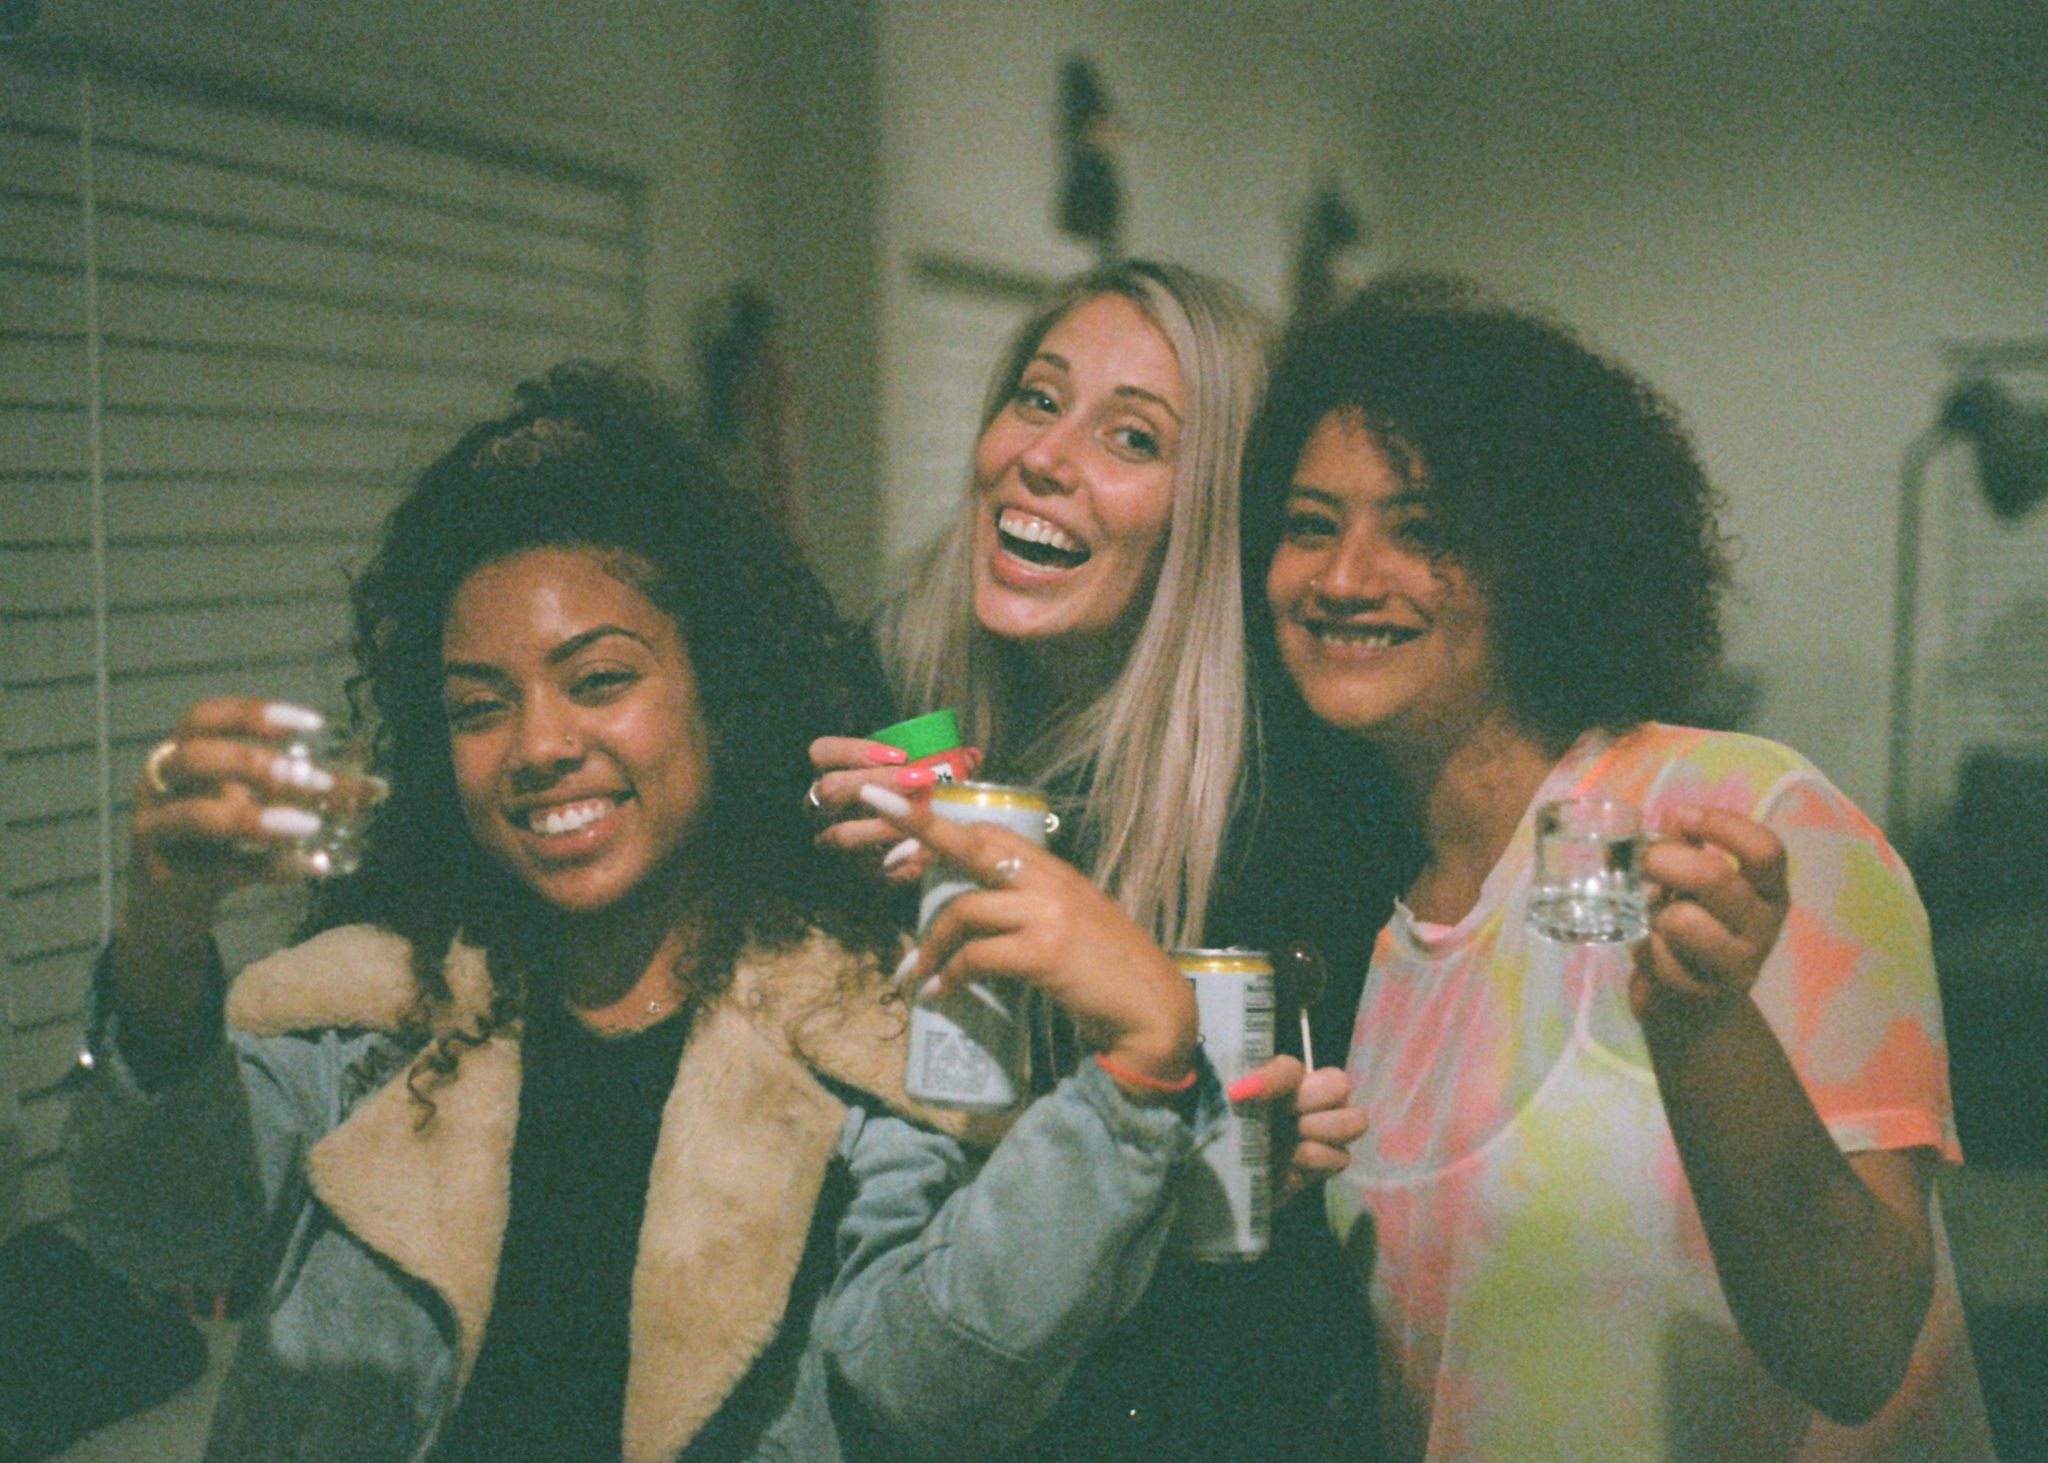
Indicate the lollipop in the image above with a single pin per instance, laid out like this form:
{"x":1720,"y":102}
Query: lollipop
{"x":1305,"y":976}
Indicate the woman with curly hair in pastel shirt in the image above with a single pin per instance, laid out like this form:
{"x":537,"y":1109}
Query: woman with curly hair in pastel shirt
{"x":1663,"y":1199}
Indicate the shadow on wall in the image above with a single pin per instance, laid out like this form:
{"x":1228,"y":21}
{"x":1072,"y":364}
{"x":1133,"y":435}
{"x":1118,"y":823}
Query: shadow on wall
{"x":1984,"y":875}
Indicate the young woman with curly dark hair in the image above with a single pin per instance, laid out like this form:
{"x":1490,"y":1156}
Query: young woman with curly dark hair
{"x":577,"y":1131}
{"x":1667,"y":1197}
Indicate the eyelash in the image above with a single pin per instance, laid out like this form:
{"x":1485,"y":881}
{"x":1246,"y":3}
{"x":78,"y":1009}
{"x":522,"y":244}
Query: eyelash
{"x":600,"y":684}
{"x":1033,"y":399}
{"x":1298,"y":524}
{"x":1420,"y":531}
{"x":590,"y":688}
{"x":1139,"y":441}
{"x":469,"y":714}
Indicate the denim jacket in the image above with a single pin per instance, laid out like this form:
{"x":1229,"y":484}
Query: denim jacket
{"x":819,"y":1276}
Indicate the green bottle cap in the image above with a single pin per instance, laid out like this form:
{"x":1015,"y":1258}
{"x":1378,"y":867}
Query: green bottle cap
{"x":935,"y":731}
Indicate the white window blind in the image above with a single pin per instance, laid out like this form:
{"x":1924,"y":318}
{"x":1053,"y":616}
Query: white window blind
{"x":229,"y":328}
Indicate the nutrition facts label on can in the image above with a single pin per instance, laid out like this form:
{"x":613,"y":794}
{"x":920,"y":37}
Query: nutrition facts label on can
{"x":1225,"y":1202}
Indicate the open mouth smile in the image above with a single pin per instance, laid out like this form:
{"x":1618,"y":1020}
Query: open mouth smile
{"x":562,"y":820}
{"x":1034,"y":540}
{"x":1350,"y":636}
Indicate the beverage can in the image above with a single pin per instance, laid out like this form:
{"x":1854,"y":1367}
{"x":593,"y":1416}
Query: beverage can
{"x":971,"y":1049}
{"x":1224,"y":1200}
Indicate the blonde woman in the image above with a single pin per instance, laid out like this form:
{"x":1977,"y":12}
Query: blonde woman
{"x":1083,"y":617}
{"x":1082,"y":614}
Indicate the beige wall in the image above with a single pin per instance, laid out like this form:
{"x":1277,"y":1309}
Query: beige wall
{"x":1226,"y":125}
{"x":1780,"y":222}
{"x":1781,"y":225}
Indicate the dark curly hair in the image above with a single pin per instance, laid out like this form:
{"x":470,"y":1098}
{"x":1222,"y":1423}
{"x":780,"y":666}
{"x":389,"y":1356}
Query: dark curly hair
{"x":598,"y":458}
{"x":1558,"y":478}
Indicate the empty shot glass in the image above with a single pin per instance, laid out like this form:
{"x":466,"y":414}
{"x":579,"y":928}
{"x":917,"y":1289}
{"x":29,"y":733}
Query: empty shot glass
{"x":1588,"y":884}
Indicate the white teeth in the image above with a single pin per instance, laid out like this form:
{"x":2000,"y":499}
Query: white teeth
{"x":1019,"y":524}
{"x":555,"y":821}
{"x":1364,"y":636}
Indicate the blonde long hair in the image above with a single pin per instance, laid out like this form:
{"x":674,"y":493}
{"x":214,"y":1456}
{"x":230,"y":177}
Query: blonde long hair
{"x":1161,"y":747}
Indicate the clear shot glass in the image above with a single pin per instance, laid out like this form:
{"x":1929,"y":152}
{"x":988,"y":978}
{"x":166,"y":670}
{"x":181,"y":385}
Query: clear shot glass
{"x":1588,"y":884}
{"x":333,"y":765}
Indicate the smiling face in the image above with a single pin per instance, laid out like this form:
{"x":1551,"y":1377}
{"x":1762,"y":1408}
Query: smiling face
{"x":1074,"y":481}
{"x":1384,"y":638}
{"x":580,"y":758}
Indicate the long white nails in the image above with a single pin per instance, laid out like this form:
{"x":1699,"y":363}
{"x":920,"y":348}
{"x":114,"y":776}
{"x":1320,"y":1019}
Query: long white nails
{"x":898,"y":854}
{"x":300,"y":773}
{"x":885,"y":802}
{"x":285,"y":717}
{"x":905,"y":967}
{"x":289,"y":822}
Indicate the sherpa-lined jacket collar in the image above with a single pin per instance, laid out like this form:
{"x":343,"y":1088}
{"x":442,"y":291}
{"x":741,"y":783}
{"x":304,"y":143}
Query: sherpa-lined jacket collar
{"x":746,"y":1136}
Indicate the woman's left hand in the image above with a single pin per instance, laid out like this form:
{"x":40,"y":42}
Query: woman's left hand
{"x":1314,"y":1121}
{"x":1722,"y":899}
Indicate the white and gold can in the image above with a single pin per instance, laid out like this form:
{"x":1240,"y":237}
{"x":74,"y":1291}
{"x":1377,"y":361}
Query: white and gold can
{"x":972,"y":1049}
{"x":1224,"y":1204}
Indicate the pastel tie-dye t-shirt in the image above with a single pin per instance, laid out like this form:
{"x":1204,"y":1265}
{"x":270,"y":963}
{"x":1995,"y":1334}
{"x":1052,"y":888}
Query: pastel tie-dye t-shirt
{"x":1540,"y":1283}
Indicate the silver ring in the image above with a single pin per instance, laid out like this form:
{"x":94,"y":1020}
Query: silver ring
{"x":153,"y":767}
{"x":811,"y":802}
{"x":1006,"y":870}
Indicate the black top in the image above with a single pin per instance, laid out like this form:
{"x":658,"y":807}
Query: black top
{"x":550,"y":1381}
{"x":1268,"y":1360}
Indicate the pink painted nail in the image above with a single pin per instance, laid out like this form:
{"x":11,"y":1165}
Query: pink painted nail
{"x":884,"y":755}
{"x":909,"y":779}
{"x":1246,"y":1088}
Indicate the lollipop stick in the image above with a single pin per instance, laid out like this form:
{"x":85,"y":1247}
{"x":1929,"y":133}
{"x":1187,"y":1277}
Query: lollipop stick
{"x":1308,"y":1051}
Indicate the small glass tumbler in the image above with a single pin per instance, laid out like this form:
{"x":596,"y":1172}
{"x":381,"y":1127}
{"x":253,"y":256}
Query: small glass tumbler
{"x":334,"y":848}
{"x":1589,"y":872}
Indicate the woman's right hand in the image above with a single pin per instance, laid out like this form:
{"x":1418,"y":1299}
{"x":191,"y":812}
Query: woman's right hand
{"x":216,"y":807}
{"x":1038,"y":919}
{"x":845,"y":765}
{"x":219,"y":801}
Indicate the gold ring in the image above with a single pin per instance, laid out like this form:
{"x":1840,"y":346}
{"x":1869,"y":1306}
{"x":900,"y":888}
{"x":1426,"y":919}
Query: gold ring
{"x":153,"y":767}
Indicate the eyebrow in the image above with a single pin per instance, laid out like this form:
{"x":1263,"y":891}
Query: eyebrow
{"x":567,"y":650}
{"x":1406,"y":498}
{"x":1137,"y":392}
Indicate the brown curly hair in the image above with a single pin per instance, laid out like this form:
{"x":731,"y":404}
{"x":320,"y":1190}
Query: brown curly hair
{"x":1558,"y":478}
{"x":599,"y":458}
